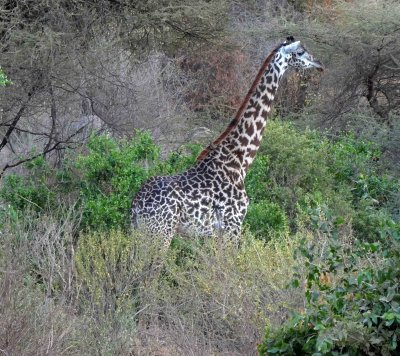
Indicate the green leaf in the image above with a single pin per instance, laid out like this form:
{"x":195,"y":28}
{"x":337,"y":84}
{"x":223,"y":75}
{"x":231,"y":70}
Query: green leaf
{"x":393,"y":343}
{"x":295,"y":283}
{"x":274,"y":350}
{"x":319,"y":327}
{"x":375,"y":340}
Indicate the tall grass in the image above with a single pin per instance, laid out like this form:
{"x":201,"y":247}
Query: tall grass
{"x":117,"y":293}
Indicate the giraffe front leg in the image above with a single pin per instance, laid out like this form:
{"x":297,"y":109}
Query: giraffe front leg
{"x":227,"y":224}
{"x":231,"y":219}
{"x":167,"y":221}
{"x":169,"y":234}
{"x":232,"y":231}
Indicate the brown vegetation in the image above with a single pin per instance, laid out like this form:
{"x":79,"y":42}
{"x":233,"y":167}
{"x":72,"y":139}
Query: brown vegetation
{"x":108,"y":295}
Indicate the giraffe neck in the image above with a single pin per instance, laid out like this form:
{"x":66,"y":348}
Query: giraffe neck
{"x":237,"y":146}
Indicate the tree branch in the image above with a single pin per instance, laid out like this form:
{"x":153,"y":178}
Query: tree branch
{"x":44,"y":152}
{"x":13,"y":124}
{"x":53,"y":115}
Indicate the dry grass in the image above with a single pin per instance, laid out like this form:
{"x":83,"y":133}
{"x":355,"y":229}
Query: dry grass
{"x":220,"y":299}
{"x":114,"y":293}
{"x":35,"y":317}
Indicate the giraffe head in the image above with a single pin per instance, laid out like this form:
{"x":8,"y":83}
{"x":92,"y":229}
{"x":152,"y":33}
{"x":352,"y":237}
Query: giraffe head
{"x":297,"y":56}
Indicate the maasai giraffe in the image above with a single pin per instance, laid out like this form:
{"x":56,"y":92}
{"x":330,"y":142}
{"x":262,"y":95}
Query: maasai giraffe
{"x":210,"y":198}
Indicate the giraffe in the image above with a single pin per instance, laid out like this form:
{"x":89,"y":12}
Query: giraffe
{"x":210,"y":197}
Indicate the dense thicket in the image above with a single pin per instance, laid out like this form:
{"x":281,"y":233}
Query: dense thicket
{"x":331,"y":201}
{"x":97,"y":96}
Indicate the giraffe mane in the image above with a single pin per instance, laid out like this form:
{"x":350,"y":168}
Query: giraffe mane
{"x":241,"y":110}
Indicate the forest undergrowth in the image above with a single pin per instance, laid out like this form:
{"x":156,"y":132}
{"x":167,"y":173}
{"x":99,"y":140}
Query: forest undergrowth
{"x":319,"y":255}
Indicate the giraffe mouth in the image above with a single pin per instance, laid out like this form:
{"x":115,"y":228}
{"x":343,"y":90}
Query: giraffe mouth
{"x":318,"y":65}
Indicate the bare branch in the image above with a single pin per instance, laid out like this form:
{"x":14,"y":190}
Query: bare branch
{"x":14,"y":123}
{"x":45,"y":151}
{"x":53,"y":115}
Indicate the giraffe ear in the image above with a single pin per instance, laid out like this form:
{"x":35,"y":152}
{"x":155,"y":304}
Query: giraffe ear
{"x":291,"y":47}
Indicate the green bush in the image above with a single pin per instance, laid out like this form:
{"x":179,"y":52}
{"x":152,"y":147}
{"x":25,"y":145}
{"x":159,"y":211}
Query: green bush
{"x":352,"y":294}
{"x":350,"y":157}
{"x":296,"y":170}
{"x":371,"y":225}
{"x":33,"y":191}
{"x":108,"y":175}
{"x":291,"y":165}
{"x":113,"y":171}
{"x":292,"y":172}
{"x":102,"y":180}
{"x":258,"y":180}
{"x":3,"y":79}
{"x":297,"y":164}
{"x":265,"y":218}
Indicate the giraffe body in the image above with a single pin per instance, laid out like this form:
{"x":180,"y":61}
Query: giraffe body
{"x":210,"y":198}
{"x":201,"y":201}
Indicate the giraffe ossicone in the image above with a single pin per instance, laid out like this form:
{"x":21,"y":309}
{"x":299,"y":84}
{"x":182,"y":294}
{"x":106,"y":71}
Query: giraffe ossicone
{"x":210,"y":198}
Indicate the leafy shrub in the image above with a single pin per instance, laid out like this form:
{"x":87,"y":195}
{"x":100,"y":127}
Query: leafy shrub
{"x":350,"y":157}
{"x":109,"y":174}
{"x":103,"y":179}
{"x":3,"y":79}
{"x":372,"y":225}
{"x":289,"y":165}
{"x":33,"y":191}
{"x":352,"y":295}
{"x":258,"y":180}
{"x":373,"y":194}
{"x":110,"y":267}
{"x":292,"y":171}
{"x":265,"y":218}
{"x":296,"y":170}
{"x":355,"y":162}
{"x":298,"y":159}
{"x":376,"y":191}
{"x":113,"y":171}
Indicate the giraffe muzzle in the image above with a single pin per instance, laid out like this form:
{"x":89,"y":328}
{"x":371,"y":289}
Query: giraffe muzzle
{"x":318,"y":65}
